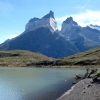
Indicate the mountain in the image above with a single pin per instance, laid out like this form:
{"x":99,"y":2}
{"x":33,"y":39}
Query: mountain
{"x":92,"y":34}
{"x":94,"y":27}
{"x":41,"y":40}
{"x":68,"y":27}
{"x":84,"y":38}
{"x":41,"y":35}
{"x":46,"y":21}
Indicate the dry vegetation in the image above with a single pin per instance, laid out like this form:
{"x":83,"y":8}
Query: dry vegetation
{"x":27,"y":58}
{"x":20,"y":58}
{"x":91,"y":57}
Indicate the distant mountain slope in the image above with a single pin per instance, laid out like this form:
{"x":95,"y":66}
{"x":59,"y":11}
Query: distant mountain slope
{"x":20,"y":58}
{"x":84,"y":38}
{"x":92,"y":34}
{"x":97,"y":27}
{"x":81,"y":42}
{"x":42,"y":41}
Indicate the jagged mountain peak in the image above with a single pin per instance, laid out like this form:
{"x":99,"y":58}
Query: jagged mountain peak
{"x":34,"y":19}
{"x":68,"y":25}
{"x":70,"y":20}
{"x":50,"y":15}
{"x":46,"y":21}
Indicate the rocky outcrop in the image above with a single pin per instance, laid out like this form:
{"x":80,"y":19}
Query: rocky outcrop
{"x":47,"y":21}
{"x":68,"y":27}
{"x":84,"y":38}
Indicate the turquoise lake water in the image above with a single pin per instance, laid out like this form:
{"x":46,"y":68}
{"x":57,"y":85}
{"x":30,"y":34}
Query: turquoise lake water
{"x":35,"y":83}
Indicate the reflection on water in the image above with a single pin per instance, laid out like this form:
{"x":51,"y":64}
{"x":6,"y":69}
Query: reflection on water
{"x":35,"y":83}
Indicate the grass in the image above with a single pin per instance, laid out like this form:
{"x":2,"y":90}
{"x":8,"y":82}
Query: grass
{"x":90,"y":57}
{"x":20,"y":58}
{"x":27,"y":58}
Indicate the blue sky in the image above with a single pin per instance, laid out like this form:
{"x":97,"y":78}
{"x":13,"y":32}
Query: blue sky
{"x":14,"y":14}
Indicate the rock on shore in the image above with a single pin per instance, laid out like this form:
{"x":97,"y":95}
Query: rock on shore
{"x":83,"y":90}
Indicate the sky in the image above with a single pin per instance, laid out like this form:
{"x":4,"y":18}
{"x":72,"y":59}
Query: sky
{"x":14,"y":14}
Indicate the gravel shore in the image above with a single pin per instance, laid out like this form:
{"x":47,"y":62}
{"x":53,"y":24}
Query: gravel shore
{"x":83,"y":90}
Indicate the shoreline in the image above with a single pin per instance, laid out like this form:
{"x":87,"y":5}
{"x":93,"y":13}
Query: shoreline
{"x":66,"y":93}
{"x":64,"y":66}
{"x":83,"y":90}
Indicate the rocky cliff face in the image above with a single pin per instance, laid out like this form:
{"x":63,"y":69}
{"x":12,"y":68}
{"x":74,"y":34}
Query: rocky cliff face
{"x":68,"y":27}
{"x":83,"y":38}
{"x":47,"y":21}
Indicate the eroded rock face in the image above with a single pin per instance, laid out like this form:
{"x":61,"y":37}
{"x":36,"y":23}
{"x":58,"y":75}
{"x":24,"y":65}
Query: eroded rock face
{"x":67,"y":25}
{"x":84,"y":38}
{"x":46,"y":21}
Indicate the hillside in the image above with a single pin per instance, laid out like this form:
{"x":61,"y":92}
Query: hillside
{"x":90,"y":57}
{"x":20,"y":58}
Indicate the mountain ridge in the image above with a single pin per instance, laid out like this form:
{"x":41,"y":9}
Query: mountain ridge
{"x":41,"y":35}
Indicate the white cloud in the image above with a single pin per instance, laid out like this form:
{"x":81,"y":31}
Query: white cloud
{"x":84,"y":18}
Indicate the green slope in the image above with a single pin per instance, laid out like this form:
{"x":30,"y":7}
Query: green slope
{"x":20,"y":58}
{"x":90,"y":57}
{"x":27,"y":58}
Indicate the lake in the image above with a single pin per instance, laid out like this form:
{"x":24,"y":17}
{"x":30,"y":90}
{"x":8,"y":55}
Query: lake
{"x":35,"y":83}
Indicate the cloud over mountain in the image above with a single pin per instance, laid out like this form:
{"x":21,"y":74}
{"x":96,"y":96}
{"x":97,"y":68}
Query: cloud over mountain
{"x":84,"y":18}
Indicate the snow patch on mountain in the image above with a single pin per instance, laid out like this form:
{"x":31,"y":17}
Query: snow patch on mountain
{"x":94,"y":27}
